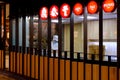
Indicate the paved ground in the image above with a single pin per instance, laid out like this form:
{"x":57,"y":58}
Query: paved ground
{"x":9,"y":76}
{"x":4,"y":77}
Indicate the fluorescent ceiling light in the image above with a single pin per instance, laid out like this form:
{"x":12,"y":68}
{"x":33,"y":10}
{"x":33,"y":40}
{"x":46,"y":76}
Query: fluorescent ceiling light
{"x":89,"y":17}
{"x":35,"y":18}
{"x":56,"y":20}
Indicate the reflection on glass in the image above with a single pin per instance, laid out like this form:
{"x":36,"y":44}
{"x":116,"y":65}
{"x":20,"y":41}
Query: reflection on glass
{"x":78,"y":35}
{"x":20,"y":31}
{"x":13,"y":32}
{"x":44,"y":35}
{"x":35,"y":31}
{"x":93,"y":36}
{"x":110,"y":35}
{"x":54,"y":41}
{"x":27,"y":31}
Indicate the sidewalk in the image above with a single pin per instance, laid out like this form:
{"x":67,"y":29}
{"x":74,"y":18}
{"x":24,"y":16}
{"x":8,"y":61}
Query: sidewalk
{"x":9,"y":76}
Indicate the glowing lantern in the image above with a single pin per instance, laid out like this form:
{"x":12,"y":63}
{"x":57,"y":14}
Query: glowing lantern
{"x":109,"y":5}
{"x":92,"y":7}
{"x":78,"y":9}
{"x":54,"y":11}
{"x":43,"y":13}
{"x":65,"y":10}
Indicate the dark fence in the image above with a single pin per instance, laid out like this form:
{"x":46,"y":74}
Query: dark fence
{"x":2,"y":60}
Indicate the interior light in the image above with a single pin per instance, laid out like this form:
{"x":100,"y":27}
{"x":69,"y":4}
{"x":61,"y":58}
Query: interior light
{"x":89,"y":17}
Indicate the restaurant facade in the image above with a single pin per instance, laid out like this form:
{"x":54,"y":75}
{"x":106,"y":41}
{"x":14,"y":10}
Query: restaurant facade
{"x":62,"y":40}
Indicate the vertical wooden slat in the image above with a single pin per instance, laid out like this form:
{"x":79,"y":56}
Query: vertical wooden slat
{"x":19,"y":59}
{"x":41,"y":68}
{"x":95,"y":72}
{"x":36,"y":68}
{"x":18,"y":66}
{"x":51,"y":68}
{"x":25,"y":64}
{"x":104,"y":73}
{"x":56,"y":69}
{"x":21,"y":63}
{"x":32,"y":66}
{"x":28,"y":64}
{"x":14,"y":54}
{"x":113,"y":73}
{"x":12,"y":61}
{"x":62,"y":69}
{"x":88,"y":71}
{"x":74,"y":70}
{"x":27,"y":51}
{"x":67,"y":69}
{"x":45,"y":68}
{"x":3,"y":60}
{"x":81,"y":71}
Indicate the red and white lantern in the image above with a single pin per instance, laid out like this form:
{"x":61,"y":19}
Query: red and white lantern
{"x":78,"y":9}
{"x":54,"y":11}
{"x":65,"y":10}
{"x":92,"y":7}
{"x":109,"y":5}
{"x":43,"y":13}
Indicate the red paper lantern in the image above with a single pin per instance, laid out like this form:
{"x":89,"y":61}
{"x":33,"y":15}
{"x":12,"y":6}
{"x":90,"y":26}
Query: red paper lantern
{"x":54,"y":11}
{"x":109,"y":5}
{"x":92,"y":7}
{"x":78,"y":9}
{"x":43,"y":13}
{"x":65,"y":10}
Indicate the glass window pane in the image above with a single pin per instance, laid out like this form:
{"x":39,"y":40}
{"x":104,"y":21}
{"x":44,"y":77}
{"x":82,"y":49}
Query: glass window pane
{"x":35,"y":31}
{"x":27,"y":31}
{"x":13,"y":32}
{"x":78,"y":36}
{"x":93,"y":36}
{"x":110,"y":35}
{"x":20,"y":31}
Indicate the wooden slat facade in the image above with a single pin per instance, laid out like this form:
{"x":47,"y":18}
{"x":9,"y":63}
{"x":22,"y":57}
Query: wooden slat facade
{"x":33,"y":63}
